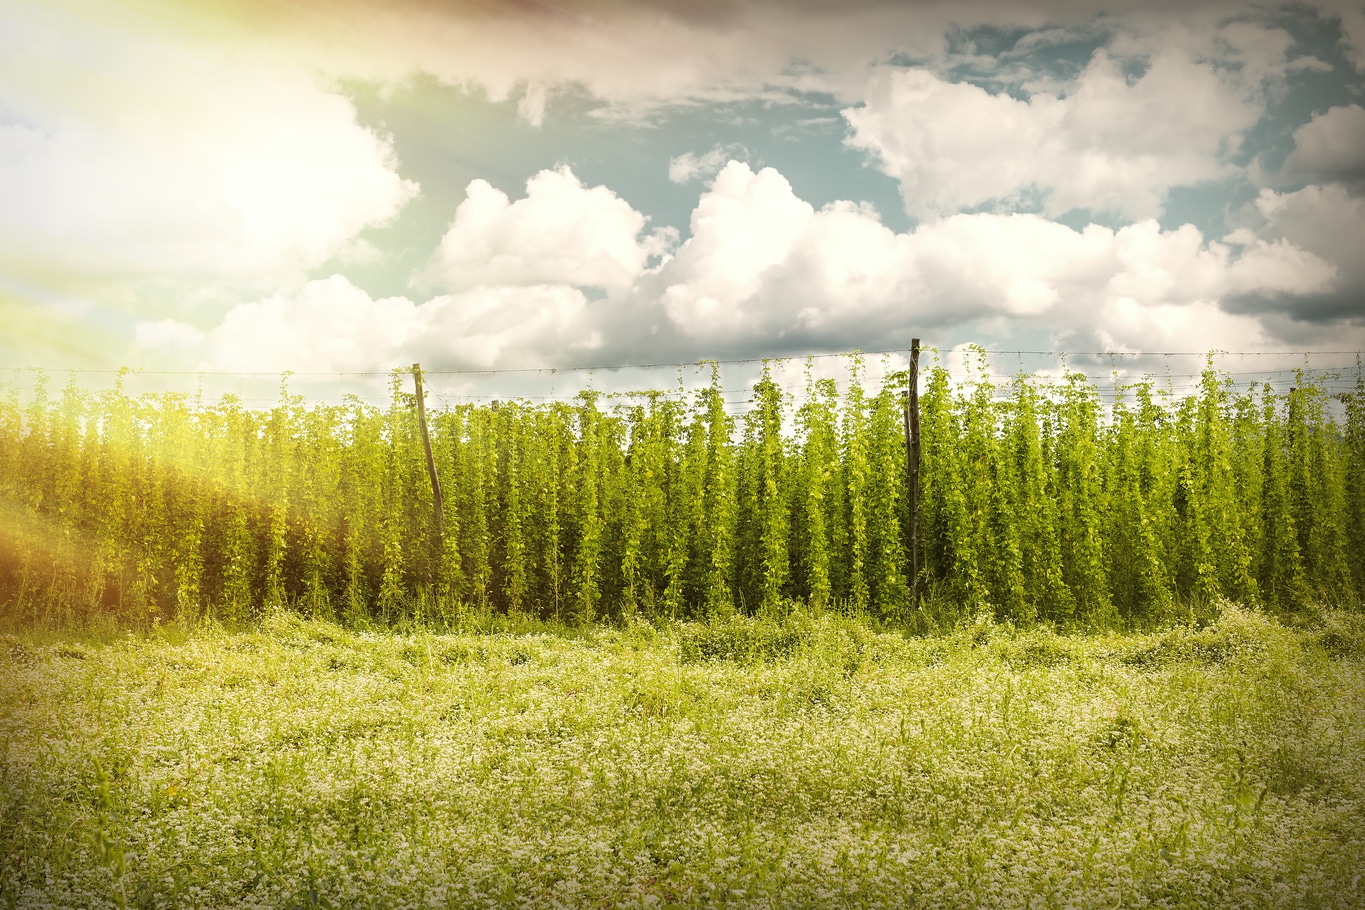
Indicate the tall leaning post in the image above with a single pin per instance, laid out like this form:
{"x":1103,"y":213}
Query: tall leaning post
{"x":431,"y":459}
{"x":912,"y":465}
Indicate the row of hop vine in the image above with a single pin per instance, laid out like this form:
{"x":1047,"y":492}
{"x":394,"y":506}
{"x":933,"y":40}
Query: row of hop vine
{"x":1039,"y":501}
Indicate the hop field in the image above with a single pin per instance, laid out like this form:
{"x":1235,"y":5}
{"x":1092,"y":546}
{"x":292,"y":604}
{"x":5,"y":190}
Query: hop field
{"x":814,"y":762}
{"x":1040,"y":501}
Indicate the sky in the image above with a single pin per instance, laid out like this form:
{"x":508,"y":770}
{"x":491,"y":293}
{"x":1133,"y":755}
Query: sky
{"x":345,"y":186}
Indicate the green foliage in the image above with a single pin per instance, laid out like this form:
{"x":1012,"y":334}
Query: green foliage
{"x":853,"y":539}
{"x":1081,"y":501}
{"x":1040,"y":502}
{"x":764,"y":525}
{"x":1139,"y":517}
{"x":589,"y":520}
{"x":1354,"y":480}
{"x":816,"y":495}
{"x":711,"y":469}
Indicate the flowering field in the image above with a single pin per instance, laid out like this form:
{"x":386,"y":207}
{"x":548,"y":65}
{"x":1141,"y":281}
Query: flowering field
{"x":743,"y":763}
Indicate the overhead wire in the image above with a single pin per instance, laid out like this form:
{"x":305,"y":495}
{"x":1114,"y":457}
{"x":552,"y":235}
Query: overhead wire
{"x":696,"y":364}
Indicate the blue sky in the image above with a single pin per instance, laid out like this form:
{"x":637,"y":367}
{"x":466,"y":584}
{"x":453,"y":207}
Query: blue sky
{"x":243,"y":186}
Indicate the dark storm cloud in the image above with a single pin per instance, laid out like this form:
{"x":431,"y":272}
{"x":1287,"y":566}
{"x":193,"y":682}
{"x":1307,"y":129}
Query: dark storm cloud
{"x":728,"y":11}
{"x":1329,"y":149}
{"x":1348,"y":304}
{"x":772,"y":20}
{"x":636,"y":56}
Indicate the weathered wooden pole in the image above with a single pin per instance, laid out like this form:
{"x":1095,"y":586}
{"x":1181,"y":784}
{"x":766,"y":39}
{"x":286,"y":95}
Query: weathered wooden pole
{"x":912,"y":465}
{"x":431,"y":459}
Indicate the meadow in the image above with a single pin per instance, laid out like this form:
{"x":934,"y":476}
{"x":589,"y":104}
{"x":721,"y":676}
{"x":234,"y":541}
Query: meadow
{"x":813,"y":761}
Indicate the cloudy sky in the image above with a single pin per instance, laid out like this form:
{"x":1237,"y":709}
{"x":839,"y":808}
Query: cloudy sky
{"x":242,"y":185}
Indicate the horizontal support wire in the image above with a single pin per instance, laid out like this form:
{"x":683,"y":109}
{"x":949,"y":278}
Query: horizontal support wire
{"x":363,"y":374}
{"x":1112,"y":376}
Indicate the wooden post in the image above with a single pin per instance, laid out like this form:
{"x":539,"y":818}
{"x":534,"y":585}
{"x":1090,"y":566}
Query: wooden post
{"x":431,"y":460}
{"x":912,"y":465}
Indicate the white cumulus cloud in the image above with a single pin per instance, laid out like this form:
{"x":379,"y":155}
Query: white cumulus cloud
{"x":691,"y":166}
{"x":1108,"y":144}
{"x":742,"y":227}
{"x":330,"y":325}
{"x":562,"y":232}
{"x":766,"y":271}
{"x":763,"y":266}
{"x":125,"y":155}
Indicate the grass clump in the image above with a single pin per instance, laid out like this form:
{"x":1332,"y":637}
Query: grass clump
{"x":1235,"y":633}
{"x":1342,"y":634}
{"x":741,"y":638}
